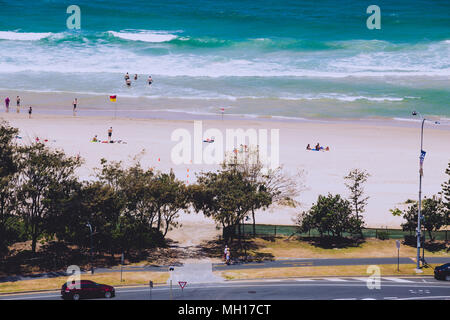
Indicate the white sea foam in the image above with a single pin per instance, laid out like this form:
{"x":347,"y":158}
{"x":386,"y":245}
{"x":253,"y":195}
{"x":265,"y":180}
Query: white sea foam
{"x":144,"y":35}
{"x":23,"y":36}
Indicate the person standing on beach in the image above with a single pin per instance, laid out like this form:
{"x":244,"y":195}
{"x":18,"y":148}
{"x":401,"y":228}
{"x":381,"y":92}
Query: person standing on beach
{"x":109,"y":134}
{"x":7,"y":104}
{"x":30,"y":111}
{"x":127,"y":76}
{"x":18,"y":104}
{"x":75,"y":102}
{"x":128,"y":82}
{"x":150,"y":80}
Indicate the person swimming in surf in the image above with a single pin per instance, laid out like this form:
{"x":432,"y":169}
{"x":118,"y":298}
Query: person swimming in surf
{"x":135,"y":77}
{"x":150,"y":80}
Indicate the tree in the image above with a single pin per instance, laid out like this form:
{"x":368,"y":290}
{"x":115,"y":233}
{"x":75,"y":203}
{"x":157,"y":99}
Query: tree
{"x":172,"y":198}
{"x":8,"y":176}
{"x":283,"y":188}
{"x":433,"y":213}
{"x":331,"y":214}
{"x":228,"y":196}
{"x":356,"y":179}
{"x":46,"y":179}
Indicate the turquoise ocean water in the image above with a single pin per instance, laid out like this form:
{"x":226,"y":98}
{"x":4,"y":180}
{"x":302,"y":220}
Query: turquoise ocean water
{"x":280,"y":58}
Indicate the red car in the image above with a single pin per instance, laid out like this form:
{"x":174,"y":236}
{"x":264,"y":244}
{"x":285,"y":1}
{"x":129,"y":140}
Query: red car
{"x":88,"y":289}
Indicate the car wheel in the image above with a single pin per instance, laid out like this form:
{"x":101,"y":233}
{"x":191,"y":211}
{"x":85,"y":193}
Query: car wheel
{"x":76,"y":296}
{"x":107,"y":294}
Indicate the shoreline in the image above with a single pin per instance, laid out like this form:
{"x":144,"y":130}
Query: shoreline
{"x":131,"y":108}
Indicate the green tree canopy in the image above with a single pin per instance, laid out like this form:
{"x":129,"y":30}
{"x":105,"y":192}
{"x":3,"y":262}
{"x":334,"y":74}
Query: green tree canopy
{"x":331,"y":214}
{"x":45,"y":181}
{"x":228,"y":196}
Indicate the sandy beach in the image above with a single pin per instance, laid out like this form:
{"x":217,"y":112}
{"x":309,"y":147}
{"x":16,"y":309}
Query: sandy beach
{"x":388,"y":152}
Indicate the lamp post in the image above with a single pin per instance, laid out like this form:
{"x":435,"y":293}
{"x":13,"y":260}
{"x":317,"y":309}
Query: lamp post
{"x":90,"y":236}
{"x":419,"y":216}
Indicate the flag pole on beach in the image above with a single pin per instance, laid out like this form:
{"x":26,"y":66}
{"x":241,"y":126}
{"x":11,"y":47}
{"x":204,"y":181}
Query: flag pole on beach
{"x":114,"y":99}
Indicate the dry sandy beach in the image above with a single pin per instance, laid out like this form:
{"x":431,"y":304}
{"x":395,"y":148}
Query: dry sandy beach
{"x":388,"y":152}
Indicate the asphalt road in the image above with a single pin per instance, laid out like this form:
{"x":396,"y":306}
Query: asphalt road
{"x":293,"y":289}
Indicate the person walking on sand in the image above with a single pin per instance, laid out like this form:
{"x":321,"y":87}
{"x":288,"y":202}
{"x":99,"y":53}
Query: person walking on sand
{"x":109,"y":134}
{"x":18,"y":104}
{"x":7,"y":104}
{"x":30,"y":111}
{"x":75,"y":102}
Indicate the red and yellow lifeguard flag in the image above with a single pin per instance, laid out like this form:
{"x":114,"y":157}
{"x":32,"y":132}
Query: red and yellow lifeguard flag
{"x":113,"y":98}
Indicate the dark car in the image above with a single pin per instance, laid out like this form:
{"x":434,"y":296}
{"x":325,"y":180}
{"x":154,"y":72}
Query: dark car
{"x":87,"y":289}
{"x":442,"y":272}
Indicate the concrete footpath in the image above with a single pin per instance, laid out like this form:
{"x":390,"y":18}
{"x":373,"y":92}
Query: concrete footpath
{"x":282,"y":263}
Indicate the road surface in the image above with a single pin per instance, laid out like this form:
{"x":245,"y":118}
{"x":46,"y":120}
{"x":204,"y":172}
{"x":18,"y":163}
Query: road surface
{"x":391,"y":288}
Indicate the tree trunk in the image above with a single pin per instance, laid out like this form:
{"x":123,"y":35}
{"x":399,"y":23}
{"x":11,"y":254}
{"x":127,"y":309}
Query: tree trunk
{"x":431,"y":235}
{"x":254,"y":223}
{"x":159,"y":220}
{"x":33,"y":243}
{"x":34,"y":237}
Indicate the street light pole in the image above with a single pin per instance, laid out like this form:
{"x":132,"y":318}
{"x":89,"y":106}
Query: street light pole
{"x":419,"y":216}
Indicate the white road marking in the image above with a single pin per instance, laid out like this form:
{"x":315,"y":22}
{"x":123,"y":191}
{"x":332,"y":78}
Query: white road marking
{"x":396,"y":279}
{"x":31,"y":297}
{"x":421,"y":298}
{"x":304,"y":279}
{"x":361,"y":279}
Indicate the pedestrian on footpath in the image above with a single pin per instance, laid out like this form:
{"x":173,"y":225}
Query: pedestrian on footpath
{"x":225,"y":253}
{"x":228,"y":256}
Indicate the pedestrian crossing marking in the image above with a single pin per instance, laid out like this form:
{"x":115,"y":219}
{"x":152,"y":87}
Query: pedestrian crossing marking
{"x":395,"y":279}
{"x":336,"y":279}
